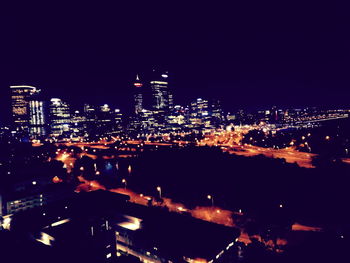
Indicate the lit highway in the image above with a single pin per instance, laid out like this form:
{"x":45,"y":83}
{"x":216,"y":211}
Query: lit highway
{"x":231,"y":142}
{"x":208,"y":213}
{"x":228,"y":141}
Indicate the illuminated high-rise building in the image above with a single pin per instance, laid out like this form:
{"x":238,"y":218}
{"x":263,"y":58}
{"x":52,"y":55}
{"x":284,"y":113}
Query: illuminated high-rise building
{"x":199,"y":116}
{"x":148,"y":123}
{"x":104,"y":121}
{"x":90,"y":114}
{"x":60,"y":117}
{"x":21,"y":97}
{"x":216,"y":114}
{"x":177,"y":119}
{"x":138,"y":96}
{"x":117,"y":118}
{"x":78,"y":121}
{"x":162,"y":98}
{"x":37,"y":118}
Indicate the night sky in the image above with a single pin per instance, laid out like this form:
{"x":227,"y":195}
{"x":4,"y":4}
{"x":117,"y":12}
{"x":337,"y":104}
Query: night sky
{"x":250,"y":56}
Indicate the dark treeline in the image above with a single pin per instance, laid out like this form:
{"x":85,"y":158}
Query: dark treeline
{"x":22,"y":162}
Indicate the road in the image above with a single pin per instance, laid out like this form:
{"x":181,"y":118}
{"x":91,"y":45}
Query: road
{"x":232,"y":142}
{"x":228,"y":141}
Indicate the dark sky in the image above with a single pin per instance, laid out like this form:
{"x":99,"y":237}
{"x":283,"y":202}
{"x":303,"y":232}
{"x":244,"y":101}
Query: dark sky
{"x":250,"y":55}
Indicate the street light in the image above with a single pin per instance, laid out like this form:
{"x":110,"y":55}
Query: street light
{"x":211,"y":198}
{"x":124,"y":182}
{"x":159,"y":189}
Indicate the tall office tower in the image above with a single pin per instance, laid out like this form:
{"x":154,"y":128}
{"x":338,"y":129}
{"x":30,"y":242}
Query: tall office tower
{"x":162,"y":98}
{"x":90,"y":114}
{"x":138,"y":97}
{"x":37,"y":119}
{"x":78,"y":121}
{"x":216,"y":114}
{"x":104,"y":122}
{"x":199,"y":116}
{"x":20,"y":102}
{"x":59,"y":117}
{"x":117,"y":119}
{"x":147,"y":121}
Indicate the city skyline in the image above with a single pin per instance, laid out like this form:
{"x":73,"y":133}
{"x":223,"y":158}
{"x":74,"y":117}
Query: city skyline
{"x":145,"y":86}
{"x":209,"y":132}
{"x":210,"y":52}
{"x":153,"y":112}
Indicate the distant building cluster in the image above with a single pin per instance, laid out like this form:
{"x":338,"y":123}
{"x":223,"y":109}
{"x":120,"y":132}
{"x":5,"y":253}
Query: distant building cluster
{"x":159,"y":113}
{"x":153,"y":112}
{"x":35,"y":118}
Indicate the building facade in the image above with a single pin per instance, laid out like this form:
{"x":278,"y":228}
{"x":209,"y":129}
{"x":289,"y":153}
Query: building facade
{"x":27,"y":110}
{"x":60,"y":118}
{"x":138,"y":96}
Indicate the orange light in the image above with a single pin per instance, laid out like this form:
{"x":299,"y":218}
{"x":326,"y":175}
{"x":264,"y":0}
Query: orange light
{"x":56,"y":180}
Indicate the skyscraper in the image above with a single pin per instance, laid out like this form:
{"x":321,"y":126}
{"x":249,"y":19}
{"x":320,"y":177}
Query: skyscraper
{"x":216,"y":114}
{"x":21,"y":97}
{"x":104,"y":121}
{"x":177,"y":119}
{"x":117,"y":121}
{"x":37,"y":118}
{"x":162,"y":98}
{"x":138,"y":97}
{"x":200,"y":116}
{"x":59,"y":117}
{"x":78,"y":122}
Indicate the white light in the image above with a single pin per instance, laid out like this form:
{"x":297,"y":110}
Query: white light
{"x":131,"y":223}
{"x":60,"y":222}
{"x":34,"y":182}
{"x":6,"y":224}
{"x":45,"y":239}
